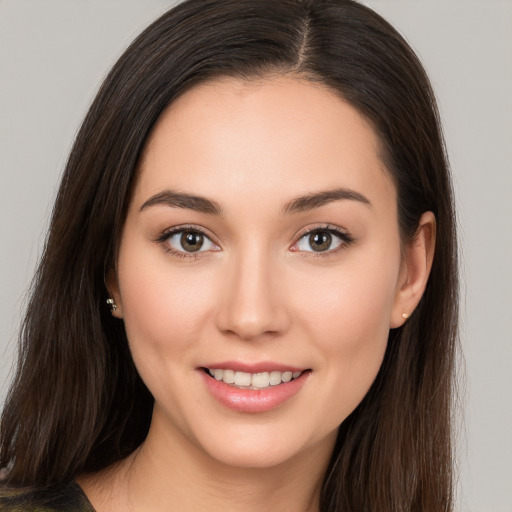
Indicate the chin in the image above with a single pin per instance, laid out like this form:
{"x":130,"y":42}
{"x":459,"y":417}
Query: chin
{"x":264,"y":448}
{"x":254,"y":458}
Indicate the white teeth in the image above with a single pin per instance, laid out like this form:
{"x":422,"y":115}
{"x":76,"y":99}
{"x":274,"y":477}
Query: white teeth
{"x":253,"y":380}
{"x":242,"y":379}
{"x":287,"y":376}
{"x":275,"y":378}
{"x":229,"y":376}
{"x":260,"y":380}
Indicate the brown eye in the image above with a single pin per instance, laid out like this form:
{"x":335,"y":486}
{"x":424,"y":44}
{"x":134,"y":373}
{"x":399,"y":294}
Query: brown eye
{"x":183,"y":241}
{"x":191,"y":241}
{"x":320,"y":241}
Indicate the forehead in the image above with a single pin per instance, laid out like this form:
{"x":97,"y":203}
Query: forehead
{"x":278,"y":135}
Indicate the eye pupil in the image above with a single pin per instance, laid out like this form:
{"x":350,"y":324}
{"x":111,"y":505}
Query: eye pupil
{"x":191,"y":242}
{"x":320,"y":240}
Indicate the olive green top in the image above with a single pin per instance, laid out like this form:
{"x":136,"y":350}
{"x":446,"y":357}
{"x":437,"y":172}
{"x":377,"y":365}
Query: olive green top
{"x":70,"y":498}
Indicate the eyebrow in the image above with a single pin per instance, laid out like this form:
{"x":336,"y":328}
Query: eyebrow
{"x":181,"y":200}
{"x":299,"y":204}
{"x":317,"y":199}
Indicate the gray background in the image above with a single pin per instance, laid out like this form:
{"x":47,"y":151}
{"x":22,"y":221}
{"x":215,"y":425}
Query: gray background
{"x":53,"y":55}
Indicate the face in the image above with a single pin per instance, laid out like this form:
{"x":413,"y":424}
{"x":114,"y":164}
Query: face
{"x":259,"y":269}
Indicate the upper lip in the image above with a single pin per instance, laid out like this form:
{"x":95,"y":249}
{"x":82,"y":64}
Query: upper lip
{"x":257,"y":367}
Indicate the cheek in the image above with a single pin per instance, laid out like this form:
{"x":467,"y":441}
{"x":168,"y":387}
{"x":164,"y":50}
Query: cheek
{"x":347,"y":314}
{"x":350,"y":303}
{"x":163,"y":309}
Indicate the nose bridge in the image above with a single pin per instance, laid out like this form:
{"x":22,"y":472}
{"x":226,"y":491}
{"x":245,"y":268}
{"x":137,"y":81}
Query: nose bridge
{"x":251,"y":306}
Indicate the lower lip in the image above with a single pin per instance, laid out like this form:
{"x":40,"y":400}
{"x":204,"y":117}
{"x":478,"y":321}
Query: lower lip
{"x":253,"y":400}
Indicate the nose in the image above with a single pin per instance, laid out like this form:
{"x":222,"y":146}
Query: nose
{"x":253,"y":300}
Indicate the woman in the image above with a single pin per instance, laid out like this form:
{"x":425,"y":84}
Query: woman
{"x":248,"y":294}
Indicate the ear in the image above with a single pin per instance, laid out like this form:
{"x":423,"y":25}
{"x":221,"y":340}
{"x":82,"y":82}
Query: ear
{"x":112,"y":284}
{"x":415,"y":269}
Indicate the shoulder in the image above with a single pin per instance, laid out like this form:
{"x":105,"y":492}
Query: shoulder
{"x":70,"y":498}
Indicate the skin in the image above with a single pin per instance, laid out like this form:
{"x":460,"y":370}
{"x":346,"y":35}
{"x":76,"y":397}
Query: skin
{"x":258,"y":292}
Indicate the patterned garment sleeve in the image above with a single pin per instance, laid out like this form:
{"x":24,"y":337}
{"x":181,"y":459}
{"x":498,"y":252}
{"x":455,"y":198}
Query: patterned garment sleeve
{"x":70,"y":498}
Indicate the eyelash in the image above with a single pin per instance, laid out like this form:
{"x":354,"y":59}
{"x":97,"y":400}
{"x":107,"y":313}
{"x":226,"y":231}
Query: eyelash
{"x":168,"y":233}
{"x":345,"y":237}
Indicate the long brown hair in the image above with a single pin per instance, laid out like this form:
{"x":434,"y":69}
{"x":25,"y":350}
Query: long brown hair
{"x":77,"y":403}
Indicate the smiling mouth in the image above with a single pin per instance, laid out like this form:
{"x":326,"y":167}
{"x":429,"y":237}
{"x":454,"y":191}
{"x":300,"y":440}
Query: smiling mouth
{"x":255,"y":381}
